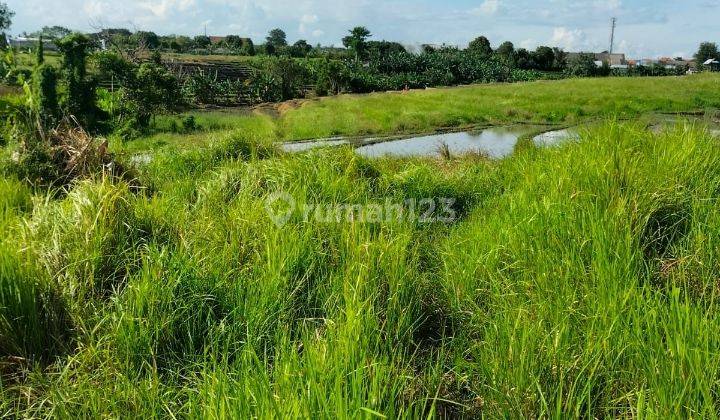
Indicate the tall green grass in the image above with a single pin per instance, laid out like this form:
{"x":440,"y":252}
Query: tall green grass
{"x":564,"y":102}
{"x":578,"y":281}
{"x":556,"y":102}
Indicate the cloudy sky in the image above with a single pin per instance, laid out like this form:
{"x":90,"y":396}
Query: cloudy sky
{"x":646,"y":28}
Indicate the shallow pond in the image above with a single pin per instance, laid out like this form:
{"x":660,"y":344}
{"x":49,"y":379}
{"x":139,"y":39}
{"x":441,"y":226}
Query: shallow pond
{"x":550,"y":138}
{"x":301,"y":146}
{"x":496,"y":142}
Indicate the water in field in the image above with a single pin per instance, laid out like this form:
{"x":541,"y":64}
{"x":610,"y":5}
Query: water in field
{"x":554,"y":137}
{"x":496,"y":142}
{"x":302,"y":146}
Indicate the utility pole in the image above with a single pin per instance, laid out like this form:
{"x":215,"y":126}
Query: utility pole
{"x":612,"y":34}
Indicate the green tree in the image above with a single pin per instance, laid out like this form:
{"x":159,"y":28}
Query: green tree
{"x":117,"y":37}
{"x":270,"y":49}
{"x":79,"y":99}
{"x":51,"y":32}
{"x":243,"y":46}
{"x":6,"y":16}
{"x":276,"y":38}
{"x":201,"y":41}
{"x":707,"y":51}
{"x":233,"y":42}
{"x":40,"y":52}
{"x":559,"y":60}
{"x":544,"y":58}
{"x":378,"y":49}
{"x":146,"y":39}
{"x":357,"y":41}
{"x":582,"y":66}
{"x":523,"y":59}
{"x":248,"y":47}
{"x":329,"y":76}
{"x":300,"y":49}
{"x":44,"y":87}
{"x":506,"y":51}
{"x":480,"y":45}
{"x":289,"y":75}
{"x":149,"y":90}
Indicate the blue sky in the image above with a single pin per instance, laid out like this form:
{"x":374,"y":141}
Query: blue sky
{"x":646,"y":28}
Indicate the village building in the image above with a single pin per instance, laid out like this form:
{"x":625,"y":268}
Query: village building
{"x":29,"y":44}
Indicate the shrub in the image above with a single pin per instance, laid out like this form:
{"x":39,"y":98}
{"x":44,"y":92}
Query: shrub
{"x":201,"y":88}
{"x":79,"y":100}
{"x":582,"y":66}
{"x":45,"y":92}
{"x":63,"y":155}
{"x":189,"y":124}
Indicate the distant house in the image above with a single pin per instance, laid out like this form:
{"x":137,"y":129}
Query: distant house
{"x":665,"y":62}
{"x":712,"y":64}
{"x":30,"y":44}
{"x":678,"y":62}
{"x":601,"y":58}
{"x":215,"y":40}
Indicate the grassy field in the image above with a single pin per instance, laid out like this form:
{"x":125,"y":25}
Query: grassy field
{"x":26,"y":60}
{"x":214,"y":58}
{"x":574,"y":281}
{"x":565,"y":102}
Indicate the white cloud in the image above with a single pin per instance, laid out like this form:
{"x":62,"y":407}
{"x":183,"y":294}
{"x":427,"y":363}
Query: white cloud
{"x":93,"y":8}
{"x":571,"y":40}
{"x":655,"y":28}
{"x":489,"y":7}
{"x":309,"y":19}
{"x":306,"y":21}
{"x":529,"y":44}
{"x":608,"y":5}
{"x":162,"y":8}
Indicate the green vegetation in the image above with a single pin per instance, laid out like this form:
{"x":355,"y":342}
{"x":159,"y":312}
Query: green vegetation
{"x":566,"y":101}
{"x":577,"y":281}
{"x":154,"y":273}
{"x":378,"y":114}
{"x":707,"y":51}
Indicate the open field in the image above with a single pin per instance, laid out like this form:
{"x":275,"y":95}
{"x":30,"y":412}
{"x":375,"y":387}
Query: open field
{"x":215,"y":58}
{"x":578,"y":280}
{"x":564,"y":102}
{"x":26,"y":60}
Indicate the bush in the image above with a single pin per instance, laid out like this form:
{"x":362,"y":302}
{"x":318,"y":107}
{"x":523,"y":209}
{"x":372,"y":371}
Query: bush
{"x":286,"y":77}
{"x":201,"y":88}
{"x":79,"y":99}
{"x":45,"y":94}
{"x":189,"y":124}
{"x":582,"y":66}
{"x":17,"y":76}
{"x":63,"y":155}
